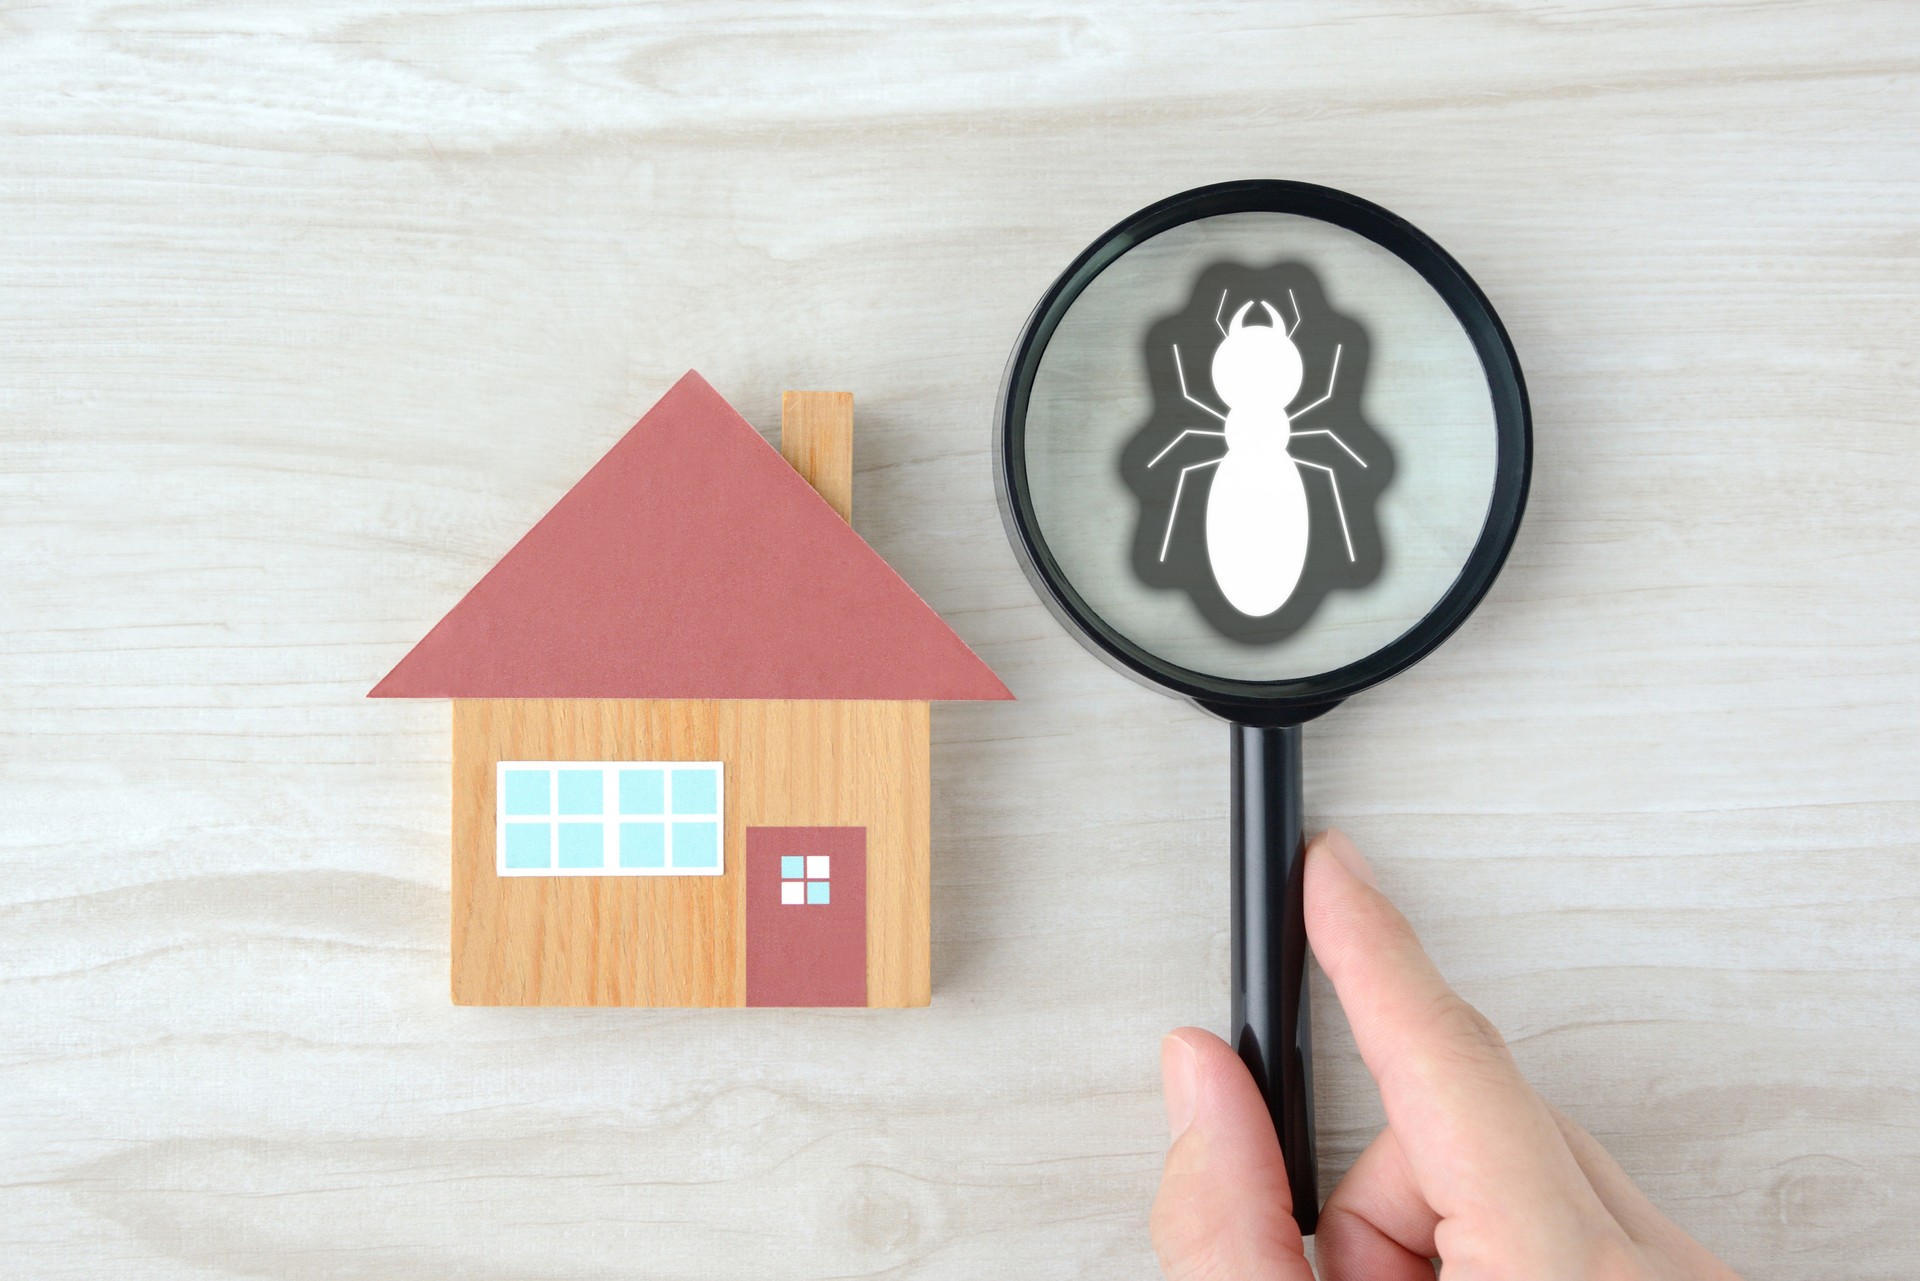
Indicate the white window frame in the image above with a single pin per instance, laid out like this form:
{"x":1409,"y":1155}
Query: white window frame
{"x":609,"y":818}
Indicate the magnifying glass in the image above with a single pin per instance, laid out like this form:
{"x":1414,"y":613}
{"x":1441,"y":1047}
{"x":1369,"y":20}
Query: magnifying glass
{"x":1264,"y":444}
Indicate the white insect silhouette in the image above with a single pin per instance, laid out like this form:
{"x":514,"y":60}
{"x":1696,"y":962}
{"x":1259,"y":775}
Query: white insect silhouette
{"x":1257,"y":516}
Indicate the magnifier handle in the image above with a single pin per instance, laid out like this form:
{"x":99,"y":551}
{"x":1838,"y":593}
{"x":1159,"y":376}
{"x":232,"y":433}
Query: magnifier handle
{"x":1270,"y":1027}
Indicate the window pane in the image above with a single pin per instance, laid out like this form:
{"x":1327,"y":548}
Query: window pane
{"x":529,"y":845}
{"x":793,"y":866}
{"x":580,"y":845}
{"x":817,"y":866}
{"x":694,"y":791}
{"x":580,"y":791}
{"x":643,"y":791}
{"x":643,"y":845}
{"x":817,"y":892}
{"x":696,"y":845}
{"x":792,"y":893}
{"x":613,"y":818}
{"x":529,"y":791}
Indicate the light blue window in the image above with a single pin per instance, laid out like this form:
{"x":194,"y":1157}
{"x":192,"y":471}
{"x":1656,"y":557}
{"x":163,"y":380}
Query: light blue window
{"x":611,"y":818}
{"x":643,"y":791}
{"x":817,"y":892}
{"x":580,"y":791}
{"x":529,"y":845}
{"x":580,"y":845}
{"x":694,"y":791}
{"x":792,"y":866}
{"x":529,"y":791}
{"x":643,"y":845}
{"x":696,"y":845}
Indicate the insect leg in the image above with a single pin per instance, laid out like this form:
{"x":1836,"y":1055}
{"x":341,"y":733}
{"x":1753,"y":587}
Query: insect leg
{"x":1321,"y":431}
{"x":1216,"y":314}
{"x":1191,"y":431}
{"x":1294,"y":302}
{"x":1191,"y":399}
{"x":1174,"y":511}
{"x":1338,"y":506}
{"x":1331,"y":375}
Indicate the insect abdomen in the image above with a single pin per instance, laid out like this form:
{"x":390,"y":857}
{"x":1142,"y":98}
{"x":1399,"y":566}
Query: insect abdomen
{"x":1257,"y":530}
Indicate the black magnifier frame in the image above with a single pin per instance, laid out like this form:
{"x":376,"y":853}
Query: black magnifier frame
{"x":1270,"y":1025}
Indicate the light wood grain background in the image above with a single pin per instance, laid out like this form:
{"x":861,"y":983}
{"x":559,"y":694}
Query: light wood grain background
{"x":307,"y":310}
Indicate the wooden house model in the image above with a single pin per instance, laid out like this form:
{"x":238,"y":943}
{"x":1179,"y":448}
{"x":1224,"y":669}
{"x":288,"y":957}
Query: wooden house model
{"x":691,"y":731}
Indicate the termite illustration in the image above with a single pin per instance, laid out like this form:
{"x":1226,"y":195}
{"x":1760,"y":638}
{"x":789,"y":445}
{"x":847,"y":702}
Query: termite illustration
{"x":1257,"y":517}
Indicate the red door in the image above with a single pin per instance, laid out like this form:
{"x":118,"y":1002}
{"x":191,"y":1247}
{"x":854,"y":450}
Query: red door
{"x":806,"y":916}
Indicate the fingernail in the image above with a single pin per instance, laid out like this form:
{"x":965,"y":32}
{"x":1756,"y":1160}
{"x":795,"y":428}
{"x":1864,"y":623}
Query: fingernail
{"x":1180,"y":1081}
{"x":1349,"y":855}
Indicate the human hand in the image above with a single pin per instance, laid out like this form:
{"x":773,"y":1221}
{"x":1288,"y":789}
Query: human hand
{"x":1473,"y":1169}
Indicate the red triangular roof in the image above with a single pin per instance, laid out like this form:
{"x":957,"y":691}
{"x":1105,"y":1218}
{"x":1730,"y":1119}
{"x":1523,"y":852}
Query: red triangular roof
{"x":692,"y":562}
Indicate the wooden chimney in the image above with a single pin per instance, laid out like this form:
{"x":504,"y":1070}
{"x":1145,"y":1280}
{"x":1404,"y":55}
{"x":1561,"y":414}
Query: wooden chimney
{"x":816,"y":437}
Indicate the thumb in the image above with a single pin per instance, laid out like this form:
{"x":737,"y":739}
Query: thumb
{"x":1224,"y":1209}
{"x":1482,"y":1146}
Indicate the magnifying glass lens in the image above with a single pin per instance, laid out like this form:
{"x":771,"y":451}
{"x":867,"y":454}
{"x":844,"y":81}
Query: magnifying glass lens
{"x":1259,"y":446}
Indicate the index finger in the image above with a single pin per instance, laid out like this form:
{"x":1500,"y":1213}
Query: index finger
{"x":1481,"y":1144}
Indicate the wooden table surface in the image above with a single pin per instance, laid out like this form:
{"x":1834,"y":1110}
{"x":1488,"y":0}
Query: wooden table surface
{"x":307,"y":311}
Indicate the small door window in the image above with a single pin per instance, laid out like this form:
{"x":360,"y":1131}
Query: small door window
{"x":806,"y":880}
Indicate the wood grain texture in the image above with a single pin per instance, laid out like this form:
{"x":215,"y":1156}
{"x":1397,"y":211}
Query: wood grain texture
{"x":816,"y":436}
{"x":680,"y":940}
{"x":587,"y":940}
{"x":308,"y":311}
{"x":866,"y":764}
